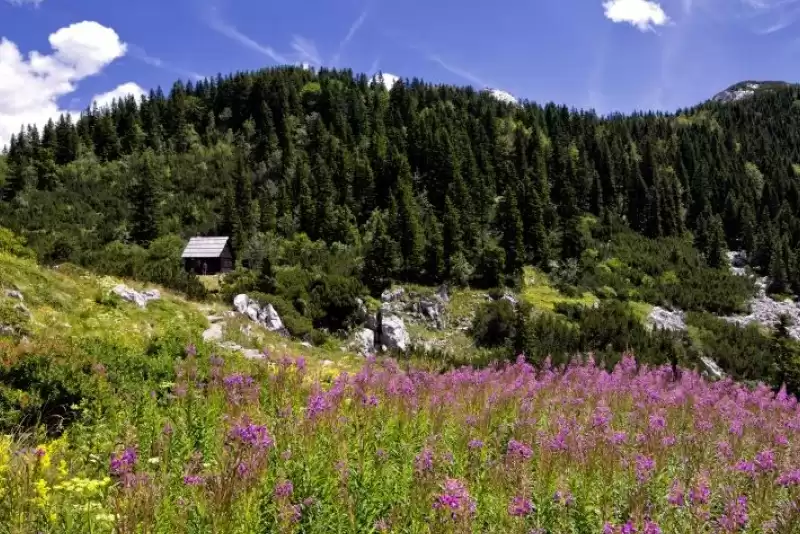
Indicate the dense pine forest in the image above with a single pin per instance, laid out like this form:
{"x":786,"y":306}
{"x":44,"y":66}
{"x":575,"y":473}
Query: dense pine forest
{"x":330,"y":185}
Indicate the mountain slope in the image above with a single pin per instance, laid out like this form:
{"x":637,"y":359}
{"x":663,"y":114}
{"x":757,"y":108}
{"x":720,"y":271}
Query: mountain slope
{"x":747,"y":89}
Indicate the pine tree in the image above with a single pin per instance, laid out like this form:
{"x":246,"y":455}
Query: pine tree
{"x":381,"y":260}
{"x":715,"y":247}
{"x":409,"y":229}
{"x":512,"y":229}
{"x":145,"y":201}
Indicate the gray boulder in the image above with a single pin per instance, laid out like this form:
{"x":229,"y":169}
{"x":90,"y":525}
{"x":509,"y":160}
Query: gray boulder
{"x":365,"y":341}
{"x":393,"y":333}
{"x":270,"y":318}
{"x":442,"y":293}
{"x":240,"y":303}
{"x":712,"y":370}
{"x":131,"y":295}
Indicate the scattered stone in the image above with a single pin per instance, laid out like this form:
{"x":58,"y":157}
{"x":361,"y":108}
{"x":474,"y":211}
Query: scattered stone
{"x":442,"y":293}
{"x":365,"y":341}
{"x":131,"y":295}
{"x":392,"y":295}
{"x":664,"y":319}
{"x":393,"y":333}
{"x":372,"y":322}
{"x":307,"y":345}
{"x":214,"y":333}
{"x":252,"y":354}
{"x":14,"y":294}
{"x":767,"y":311}
{"x":712,"y":369}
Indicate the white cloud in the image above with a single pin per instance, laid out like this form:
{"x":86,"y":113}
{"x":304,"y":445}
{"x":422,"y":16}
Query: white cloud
{"x":230,"y":31}
{"x":34,"y":3}
{"x":119,"y":92}
{"x":643,"y":14}
{"x":31,"y":86}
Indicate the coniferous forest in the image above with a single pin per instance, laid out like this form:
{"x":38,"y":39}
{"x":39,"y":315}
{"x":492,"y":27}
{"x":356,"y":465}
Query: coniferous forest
{"x":418,"y":184}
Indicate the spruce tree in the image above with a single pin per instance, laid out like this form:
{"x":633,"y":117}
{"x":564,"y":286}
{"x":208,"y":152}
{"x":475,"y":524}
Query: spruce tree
{"x":512,"y":229}
{"x":145,"y":201}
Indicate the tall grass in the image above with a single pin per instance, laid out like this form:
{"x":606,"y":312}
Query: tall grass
{"x":509,"y":449}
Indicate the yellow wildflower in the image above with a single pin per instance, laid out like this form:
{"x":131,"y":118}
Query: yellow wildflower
{"x":42,"y":493}
{"x":62,"y":468}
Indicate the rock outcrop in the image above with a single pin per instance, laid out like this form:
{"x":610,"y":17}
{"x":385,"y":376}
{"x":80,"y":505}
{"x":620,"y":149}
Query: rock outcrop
{"x":266,"y":315}
{"x":664,"y":319}
{"x":139,"y":298}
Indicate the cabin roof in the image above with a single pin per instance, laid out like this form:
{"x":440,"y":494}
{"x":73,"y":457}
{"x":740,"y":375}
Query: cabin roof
{"x":205,"y":247}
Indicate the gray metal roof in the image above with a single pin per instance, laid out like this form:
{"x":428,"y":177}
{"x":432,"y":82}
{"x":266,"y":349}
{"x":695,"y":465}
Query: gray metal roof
{"x":204,"y":247}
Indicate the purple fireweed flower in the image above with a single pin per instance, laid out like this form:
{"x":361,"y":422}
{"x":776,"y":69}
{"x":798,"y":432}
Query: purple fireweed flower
{"x":628,"y":528}
{"x":781,"y":440}
{"x":668,"y":441}
{"x":216,"y":361}
{"x":381,"y":525}
{"x":644,"y":466}
{"x":520,"y":507}
{"x":601,"y":417}
{"x":284,"y":489}
{"x":423,"y":462}
{"x":297,"y":513}
{"x":700,"y":493}
{"x":167,"y":430}
{"x":317,"y":404}
{"x":518,"y":449}
{"x":745,"y":466}
{"x":564,"y":498}
{"x":191,"y":350}
{"x":250,"y":435}
{"x":676,"y":495}
{"x":300,"y":363}
{"x":618,"y":438}
{"x":193,"y":480}
{"x":608,"y":528}
{"x":657,"y":422}
{"x":454,"y":499}
{"x":651,"y":528}
{"x":123,"y":462}
{"x":475,"y":444}
{"x":789,"y":478}
{"x":381,"y":454}
{"x":735,"y":516}
{"x":724,"y":449}
{"x":765,"y":460}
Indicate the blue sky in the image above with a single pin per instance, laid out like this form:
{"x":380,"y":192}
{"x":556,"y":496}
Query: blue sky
{"x":613,"y":55}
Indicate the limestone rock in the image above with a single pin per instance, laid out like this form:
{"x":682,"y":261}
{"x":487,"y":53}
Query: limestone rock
{"x":365,"y":341}
{"x":131,"y":295}
{"x":664,"y":319}
{"x":712,"y":369}
{"x":14,"y":294}
{"x":392,"y":295}
{"x":240,"y":303}
{"x":393,"y":333}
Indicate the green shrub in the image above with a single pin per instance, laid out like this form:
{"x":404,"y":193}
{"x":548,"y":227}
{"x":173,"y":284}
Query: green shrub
{"x":494,"y":322}
{"x":13,"y":244}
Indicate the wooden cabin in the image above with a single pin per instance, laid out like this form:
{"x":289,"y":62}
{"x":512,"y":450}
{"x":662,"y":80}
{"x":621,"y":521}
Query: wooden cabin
{"x":208,"y":255}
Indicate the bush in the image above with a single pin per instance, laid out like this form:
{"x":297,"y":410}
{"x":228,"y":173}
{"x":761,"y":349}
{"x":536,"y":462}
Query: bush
{"x":13,"y":244}
{"x":297,"y":325}
{"x":494,"y":324}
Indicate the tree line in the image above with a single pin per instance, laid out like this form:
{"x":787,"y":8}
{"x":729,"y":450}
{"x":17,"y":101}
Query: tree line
{"x":424,"y":182}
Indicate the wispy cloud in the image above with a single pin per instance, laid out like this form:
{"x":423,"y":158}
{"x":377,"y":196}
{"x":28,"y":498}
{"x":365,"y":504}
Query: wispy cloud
{"x":458,"y":71}
{"x":34,"y":3}
{"x":216,"y":23}
{"x":354,"y":27}
{"x":139,"y":53}
{"x":305,"y":50}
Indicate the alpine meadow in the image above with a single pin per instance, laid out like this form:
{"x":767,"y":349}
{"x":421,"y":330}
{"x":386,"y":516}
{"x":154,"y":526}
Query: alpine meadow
{"x":446,"y":311}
